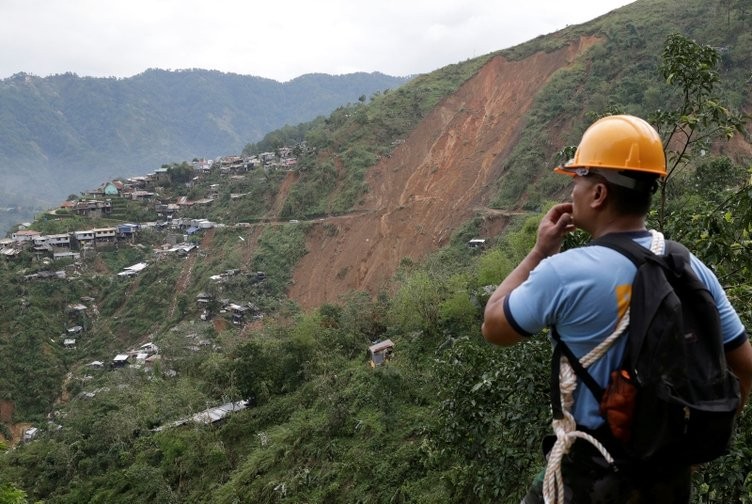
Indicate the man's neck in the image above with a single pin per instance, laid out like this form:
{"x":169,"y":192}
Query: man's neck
{"x":622,"y":224}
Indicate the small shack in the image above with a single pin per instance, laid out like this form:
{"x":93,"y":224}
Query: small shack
{"x":214,"y":415}
{"x":29,"y":434}
{"x":149,"y":348}
{"x":133,"y":270}
{"x":380,"y":352}
{"x":120,"y":360}
{"x":238,"y":313}
{"x":476,"y":243}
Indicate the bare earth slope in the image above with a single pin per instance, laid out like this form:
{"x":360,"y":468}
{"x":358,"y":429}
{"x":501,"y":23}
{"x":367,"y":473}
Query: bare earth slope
{"x":431,"y":184}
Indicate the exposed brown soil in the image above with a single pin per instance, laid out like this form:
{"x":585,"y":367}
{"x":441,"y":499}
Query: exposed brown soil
{"x":17,"y":432}
{"x":6,"y":411}
{"x":187,"y":271}
{"x":431,"y":184}
{"x":220,"y":325}
{"x":100,"y":266}
{"x":7,"y":408}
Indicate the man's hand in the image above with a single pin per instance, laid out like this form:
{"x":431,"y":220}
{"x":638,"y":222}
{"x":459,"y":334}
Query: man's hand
{"x":556,"y":224}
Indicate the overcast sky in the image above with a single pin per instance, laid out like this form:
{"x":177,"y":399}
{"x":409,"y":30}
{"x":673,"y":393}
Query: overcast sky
{"x":277,"y":39}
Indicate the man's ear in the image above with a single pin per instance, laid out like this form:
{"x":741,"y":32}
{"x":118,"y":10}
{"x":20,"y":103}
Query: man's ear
{"x":600,"y":191}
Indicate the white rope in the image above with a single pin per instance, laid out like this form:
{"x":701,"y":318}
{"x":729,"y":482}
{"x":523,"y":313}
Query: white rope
{"x":658,"y":244}
{"x":566,"y":428}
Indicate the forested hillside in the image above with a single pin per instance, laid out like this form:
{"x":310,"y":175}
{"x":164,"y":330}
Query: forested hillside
{"x":223,"y":355}
{"x":60,"y":133}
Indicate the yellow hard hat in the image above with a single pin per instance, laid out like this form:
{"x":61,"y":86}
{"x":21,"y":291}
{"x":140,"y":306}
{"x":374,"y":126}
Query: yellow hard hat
{"x":619,"y":142}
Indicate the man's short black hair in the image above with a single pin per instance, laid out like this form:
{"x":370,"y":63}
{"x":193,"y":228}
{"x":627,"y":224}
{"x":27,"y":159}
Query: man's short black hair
{"x":635,"y":201}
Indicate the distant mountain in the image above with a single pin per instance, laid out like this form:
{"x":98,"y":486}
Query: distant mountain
{"x":63,"y":133}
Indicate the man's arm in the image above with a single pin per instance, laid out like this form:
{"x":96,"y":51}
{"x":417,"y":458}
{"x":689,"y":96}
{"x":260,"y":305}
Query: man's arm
{"x":555,"y":225}
{"x":740,"y":361}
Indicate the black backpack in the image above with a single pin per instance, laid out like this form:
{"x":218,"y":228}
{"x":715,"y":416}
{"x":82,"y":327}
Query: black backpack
{"x":684,"y":397}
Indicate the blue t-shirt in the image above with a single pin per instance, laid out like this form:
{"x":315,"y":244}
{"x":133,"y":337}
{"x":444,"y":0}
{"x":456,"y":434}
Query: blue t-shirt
{"x":584,"y":292}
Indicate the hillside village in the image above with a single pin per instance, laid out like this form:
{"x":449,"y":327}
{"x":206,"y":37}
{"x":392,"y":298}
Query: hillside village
{"x":99,"y":203}
{"x":59,"y":257}
{"x":180,"y":235}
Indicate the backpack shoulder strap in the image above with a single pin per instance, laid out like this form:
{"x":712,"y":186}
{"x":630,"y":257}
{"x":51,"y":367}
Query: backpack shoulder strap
{"x":674,"y":247}
{"x":560,"y":349}
{"x":626,"y":246}
{"x":637,"y":253}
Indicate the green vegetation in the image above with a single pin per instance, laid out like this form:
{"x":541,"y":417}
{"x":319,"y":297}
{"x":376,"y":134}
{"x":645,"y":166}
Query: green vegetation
{"x":310,"y":198}
{"x":287,"y":135}
{"x":247,"y":199}
{"x":278,"y":251}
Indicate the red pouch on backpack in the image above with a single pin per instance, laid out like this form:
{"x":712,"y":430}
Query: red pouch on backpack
{"x":618,"y":404}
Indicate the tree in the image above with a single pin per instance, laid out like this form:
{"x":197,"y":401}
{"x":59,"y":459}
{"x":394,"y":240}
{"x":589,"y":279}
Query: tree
{"x":487,"y":427}
{"x":180,"y":173}
{"x":415,"y":305}
{"x":714,"y":218}
{"x":699,"y":117}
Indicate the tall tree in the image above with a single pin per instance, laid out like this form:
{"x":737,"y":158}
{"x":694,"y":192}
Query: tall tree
{"x":699,"y":117}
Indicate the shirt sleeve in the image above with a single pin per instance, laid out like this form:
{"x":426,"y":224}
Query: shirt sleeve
{"x":532,"y":305}
{"x":731,"y":325}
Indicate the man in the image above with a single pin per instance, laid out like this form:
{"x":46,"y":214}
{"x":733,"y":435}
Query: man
{"x":583,"y":293}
